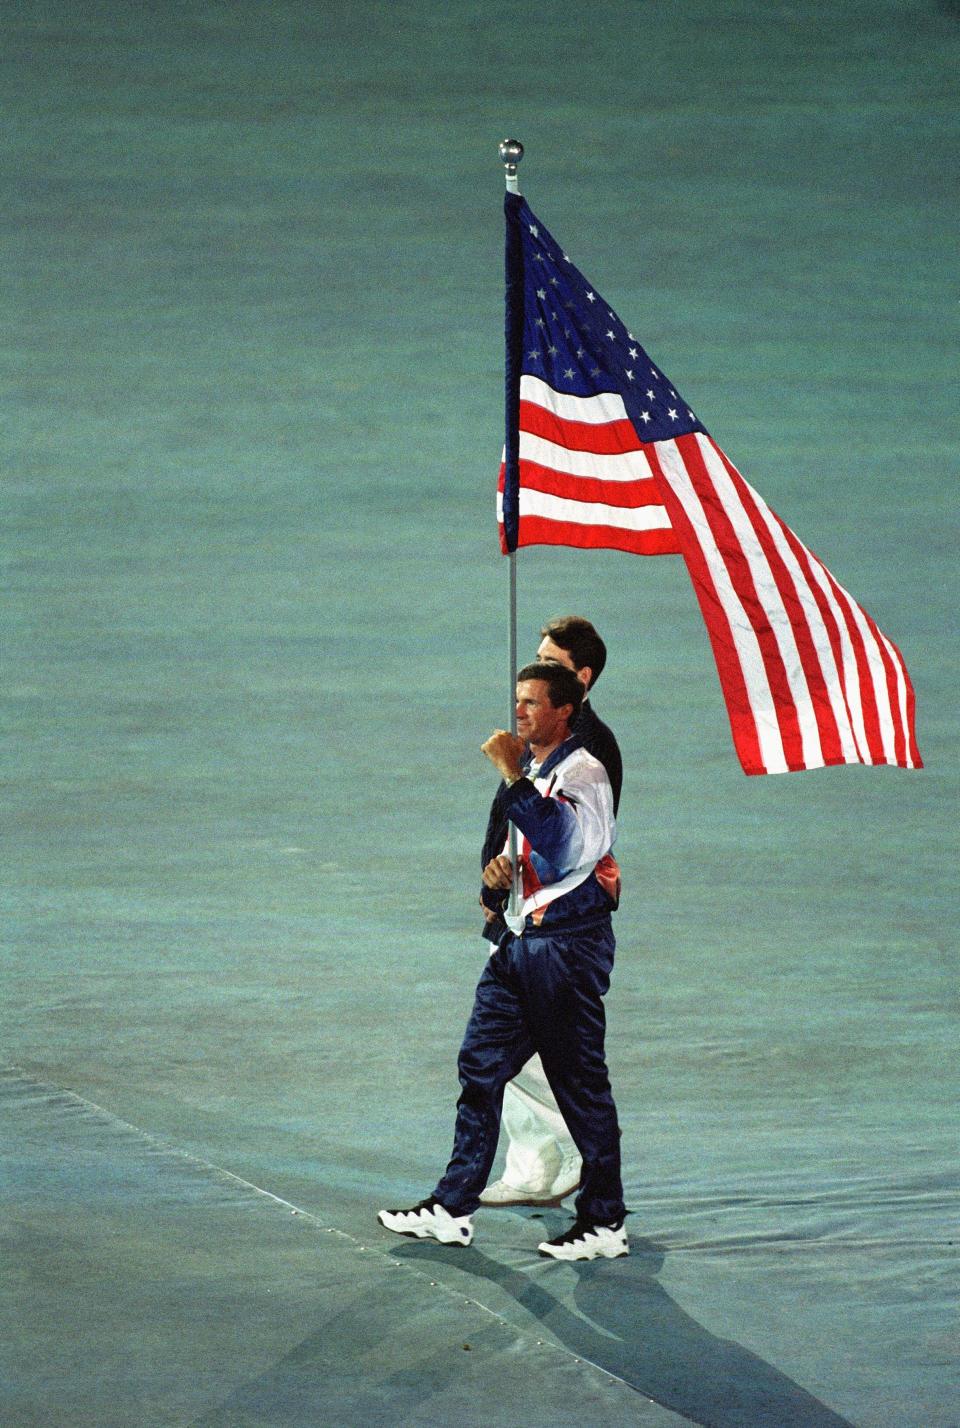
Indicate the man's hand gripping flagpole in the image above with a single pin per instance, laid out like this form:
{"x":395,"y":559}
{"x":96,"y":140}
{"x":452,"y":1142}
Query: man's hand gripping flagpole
{"x":505,"y":751}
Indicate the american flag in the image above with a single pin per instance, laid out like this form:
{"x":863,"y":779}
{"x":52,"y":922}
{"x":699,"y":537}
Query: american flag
{"x":603,"y":452}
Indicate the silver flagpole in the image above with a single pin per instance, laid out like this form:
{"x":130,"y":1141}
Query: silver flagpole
{"x":511,"y":152}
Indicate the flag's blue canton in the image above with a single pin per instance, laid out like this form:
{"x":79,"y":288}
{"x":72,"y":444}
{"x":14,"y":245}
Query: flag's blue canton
{"x":574,"y":341}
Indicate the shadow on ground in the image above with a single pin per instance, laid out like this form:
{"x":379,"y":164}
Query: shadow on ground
{"x":616,"y":1314}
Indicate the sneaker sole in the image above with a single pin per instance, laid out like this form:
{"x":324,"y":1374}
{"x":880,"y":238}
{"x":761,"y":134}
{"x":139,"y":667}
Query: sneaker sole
{"x":420,"y":1232}
{"x":612,"y":1253}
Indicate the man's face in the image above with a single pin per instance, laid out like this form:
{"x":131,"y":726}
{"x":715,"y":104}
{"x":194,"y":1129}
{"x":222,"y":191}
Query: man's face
{"x":537,"y":721}
{"x":549,"y":653}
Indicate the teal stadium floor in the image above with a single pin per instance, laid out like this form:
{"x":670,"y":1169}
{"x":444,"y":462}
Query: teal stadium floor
{"x":254,"y":632}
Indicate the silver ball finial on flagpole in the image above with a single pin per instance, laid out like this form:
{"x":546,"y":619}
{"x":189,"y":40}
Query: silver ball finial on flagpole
{"x":511,"y":152}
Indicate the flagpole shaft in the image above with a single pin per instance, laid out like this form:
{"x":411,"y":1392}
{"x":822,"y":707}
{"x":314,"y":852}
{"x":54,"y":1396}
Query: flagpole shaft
{"x":512,"y":643}
{"x":514,"y":900}
{"x":511,"y":152}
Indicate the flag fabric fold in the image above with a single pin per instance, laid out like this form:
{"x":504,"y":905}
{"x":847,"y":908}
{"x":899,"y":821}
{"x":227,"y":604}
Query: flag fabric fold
{"x":602,"y":452}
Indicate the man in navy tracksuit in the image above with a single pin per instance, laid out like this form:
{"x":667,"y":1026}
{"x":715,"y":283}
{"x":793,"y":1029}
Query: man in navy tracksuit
{"x":543,"y":1165}
{"x":542,"y":988}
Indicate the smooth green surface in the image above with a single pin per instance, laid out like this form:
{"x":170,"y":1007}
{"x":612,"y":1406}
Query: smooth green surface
{"x":150,"y":1288}
{"x":254,"y":632}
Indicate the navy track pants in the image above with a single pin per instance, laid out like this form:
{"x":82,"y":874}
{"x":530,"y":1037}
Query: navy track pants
{"x":540,"y":992}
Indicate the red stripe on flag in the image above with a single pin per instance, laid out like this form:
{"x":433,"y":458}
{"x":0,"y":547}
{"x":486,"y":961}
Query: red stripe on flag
{"x":608,"y":438}
{"x":732,"y":684}
{"x":805,"y":561}
{"x":911,"y":715}
{"x":893,"y":695}
{"x":629,"y":494}
{"x":907,"y":754}
{"x":890,"y":663}
{"x":904,"y":737}
{"x":827,"y":729}
{"x":539,"y":530}
{"x":741,"y":577}
{"x":868,"y":697}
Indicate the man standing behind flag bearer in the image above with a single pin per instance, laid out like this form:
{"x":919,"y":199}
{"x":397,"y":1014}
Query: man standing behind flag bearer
{"x":542,"y":988}
{"x":542,"y":1162}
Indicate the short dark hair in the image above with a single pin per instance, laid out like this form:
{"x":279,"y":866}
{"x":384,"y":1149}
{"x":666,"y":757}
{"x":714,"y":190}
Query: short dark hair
{"x":580,"y":640}
{"x":562,"y":684}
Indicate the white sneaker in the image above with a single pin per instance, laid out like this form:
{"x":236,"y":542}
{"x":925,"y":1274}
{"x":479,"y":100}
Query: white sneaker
{"x":429,"y":1220}
{"x":584,"y":1241}
{"x":499,"y":1195}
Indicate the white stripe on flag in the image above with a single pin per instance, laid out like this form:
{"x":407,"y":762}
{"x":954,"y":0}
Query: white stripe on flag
{"x":744,"y":636}
{"x":819,"y":633}
{"x":851,"y":674}
{"x":605,"y":406}
{"x":628,"y":466}
{"x":771,"y":600}
{"x":878,"y":674}
{"x":587,"y":513}
{"x":900,"y":672}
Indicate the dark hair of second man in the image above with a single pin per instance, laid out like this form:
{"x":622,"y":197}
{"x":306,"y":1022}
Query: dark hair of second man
{"x":580,"y":640}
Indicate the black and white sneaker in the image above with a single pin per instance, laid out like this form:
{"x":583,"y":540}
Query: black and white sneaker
{"x":583,"y":1241}
{"x":429,"y":1220}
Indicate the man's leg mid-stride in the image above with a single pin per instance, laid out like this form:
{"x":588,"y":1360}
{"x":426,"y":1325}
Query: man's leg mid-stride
{"x":495,"y":1045}
{"x":538,"y":992}
{"x":570,"y":976}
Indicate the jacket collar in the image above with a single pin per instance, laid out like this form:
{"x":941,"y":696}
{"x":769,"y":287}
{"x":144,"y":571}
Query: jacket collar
{"x":557,"y":757}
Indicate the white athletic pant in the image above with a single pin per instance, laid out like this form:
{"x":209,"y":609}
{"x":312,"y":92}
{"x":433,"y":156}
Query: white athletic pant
{"x":540,"y":1151}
